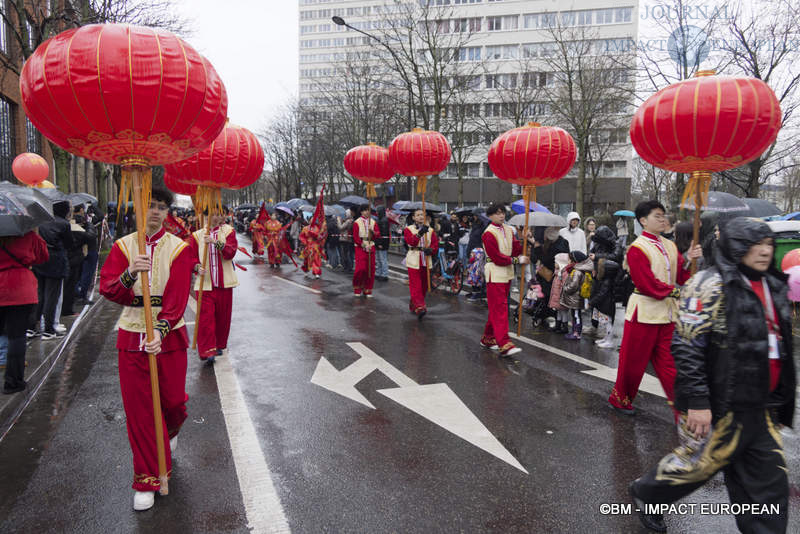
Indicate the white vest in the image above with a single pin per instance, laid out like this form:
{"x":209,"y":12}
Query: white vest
{"x":505,"y":242}
{"x":228,"y":272}
{"x":413,"y":256}
{"x":164,"y":253}
{"x":363,"y":231}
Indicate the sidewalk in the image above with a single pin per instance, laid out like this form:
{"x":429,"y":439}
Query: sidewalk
{"x":41,"y":357}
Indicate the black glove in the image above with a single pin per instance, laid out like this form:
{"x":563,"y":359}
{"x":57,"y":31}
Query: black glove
{"x":429,"y":251}
{"x":423,"y":230}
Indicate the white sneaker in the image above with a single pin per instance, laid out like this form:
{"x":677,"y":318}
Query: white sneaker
{"x":511,"y":351}
{"x":368,"y":295}
{"x":606,"y":344}
{"x":173,"y":445}
{"x":143,"y":500}
{"x":60,"y":328}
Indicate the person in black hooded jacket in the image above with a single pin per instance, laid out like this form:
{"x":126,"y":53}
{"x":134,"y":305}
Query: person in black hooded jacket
{"x":735,"y":382}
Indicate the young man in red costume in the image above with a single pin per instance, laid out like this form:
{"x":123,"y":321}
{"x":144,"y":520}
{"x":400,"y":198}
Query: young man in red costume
{"x":365,"y":232}
{"x":656,"y":268}
{"x":423,"y":245}
{"x":219,"y":279}
{"x":169,"y":261}
{"x":503,"y":251}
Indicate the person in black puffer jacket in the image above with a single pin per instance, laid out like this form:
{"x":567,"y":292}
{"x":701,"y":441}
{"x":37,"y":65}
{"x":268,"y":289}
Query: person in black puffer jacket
{"x":735,"y":382}
{"x":604,"y":247}
{"x":382,"y":247}
{"x":50,"y":275}
{"x":602,"y":300}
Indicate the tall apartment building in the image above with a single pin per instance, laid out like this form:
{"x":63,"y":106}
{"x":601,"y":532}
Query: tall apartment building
{"x":503,"y":33}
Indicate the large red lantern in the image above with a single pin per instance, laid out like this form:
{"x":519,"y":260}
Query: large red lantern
{"x":176,"y":185}
{"x":706,"y":124}
{"x":419,"y":153}
{"x":531,"y":155}
{"x":369,"y":163}
{"x":30,"y":169}
{"x":233,"y":160}
{"x":130,"y":96}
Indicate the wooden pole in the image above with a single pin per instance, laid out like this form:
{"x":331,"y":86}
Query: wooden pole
{"x":138,"y":177}
{"x":526,"y":196}
{"x":202,"y":281}
{"x":700,"y":178}
{"x":425,"y":214}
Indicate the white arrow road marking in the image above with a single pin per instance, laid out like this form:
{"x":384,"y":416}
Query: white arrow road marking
{"x":435,"y":402}
{"x":438,"y":404}
{"x":650,"y":384}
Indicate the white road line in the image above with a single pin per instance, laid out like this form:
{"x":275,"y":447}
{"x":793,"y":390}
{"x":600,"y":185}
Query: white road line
{"x":193,"y":304}
{"x":311,"y":289}
{"x":262,"y":504}
{"x":650,"y":384}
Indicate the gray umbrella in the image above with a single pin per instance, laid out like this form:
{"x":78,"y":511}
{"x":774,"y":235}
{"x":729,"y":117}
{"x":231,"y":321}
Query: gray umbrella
{"x":720,"y":202}
{"x":353,"y":201}
{"x":538,"y":218}
{"x":54,"y":195}
{"x":429,"y":206}
{"x":22,"y":209}
{"x":762,"y":208}
{"x":82,"y":198}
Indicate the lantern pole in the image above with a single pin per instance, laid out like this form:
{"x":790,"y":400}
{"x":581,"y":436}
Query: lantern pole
{"x":422,"y":183}
{"x":699,"y":180}
{"x":211,"y":209}
{"x":139,"y":175}
{"x":526,"y":195}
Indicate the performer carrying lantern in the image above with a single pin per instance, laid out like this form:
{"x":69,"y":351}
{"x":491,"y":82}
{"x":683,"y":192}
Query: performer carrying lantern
{"x":313,"y":238}
{"x":213,"y":323}
{"x":95,"y":105}
{"x":423,"y":245}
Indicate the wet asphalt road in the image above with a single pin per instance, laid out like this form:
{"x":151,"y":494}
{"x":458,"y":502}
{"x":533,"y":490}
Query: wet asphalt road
{"x":337,"y":465}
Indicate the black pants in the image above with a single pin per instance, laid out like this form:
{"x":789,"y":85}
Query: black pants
{"x":748,"y":448}
{"x":49,"y":290}
{"x":14,"y":321}
{"x":70,"y":284}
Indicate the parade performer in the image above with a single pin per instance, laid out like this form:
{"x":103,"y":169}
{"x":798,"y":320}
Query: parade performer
{"x":257,"y":235}
{"x":214,"y":322}
{"x":423,"y":244}
{"x":169,"y":261}
{"x":274,"y":234}
{"x":313,"y":238}
{"x":656,"y":268}
{"x":176,"y":226}
{"x":365,"y":231}
{"x":502,"y":253}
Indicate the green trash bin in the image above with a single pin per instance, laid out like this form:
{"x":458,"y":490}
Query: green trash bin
{"x":787,"y":237}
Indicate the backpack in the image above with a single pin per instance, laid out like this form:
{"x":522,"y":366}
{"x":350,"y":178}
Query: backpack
{"x":586,"y":286}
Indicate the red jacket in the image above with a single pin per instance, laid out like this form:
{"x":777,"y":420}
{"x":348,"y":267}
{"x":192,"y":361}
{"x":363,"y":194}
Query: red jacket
{"x":17,"y":282}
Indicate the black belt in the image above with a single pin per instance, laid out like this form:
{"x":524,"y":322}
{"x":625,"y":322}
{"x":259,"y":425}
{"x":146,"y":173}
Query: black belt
{"x":155,"y":300}
{"x":415,"y":248}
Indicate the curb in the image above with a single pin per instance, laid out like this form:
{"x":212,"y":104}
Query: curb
{"x":13,"y":409}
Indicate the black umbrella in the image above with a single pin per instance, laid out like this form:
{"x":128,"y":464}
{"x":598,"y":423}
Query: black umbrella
{"x":429,"y":207}
{"x":296,"y":203}
{"x":54,"y":195}
{"x":463,"y":211}
{"x":720,"y":202}
{"x":22,"y":209}
{"x":762,"y":208}
{"x":82,"y":198}
{"x":353,"y":201}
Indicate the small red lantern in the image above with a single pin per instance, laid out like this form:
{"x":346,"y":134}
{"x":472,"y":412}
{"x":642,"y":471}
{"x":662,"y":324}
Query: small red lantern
{"x":30,"y":169}
{"x":419,"y":153}
{"x":703,"y":125}
{"x":369,"y":163}
{"x":791,"y":259}
{"x":177,"y":186}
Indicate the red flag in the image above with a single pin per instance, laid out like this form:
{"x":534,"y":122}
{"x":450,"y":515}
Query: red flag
{"x":263,"y":216}
{"x":176,"y":227}
{"x":319,"y":213}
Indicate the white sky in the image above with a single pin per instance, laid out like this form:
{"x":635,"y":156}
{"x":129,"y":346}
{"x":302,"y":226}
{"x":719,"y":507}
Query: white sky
{"x":253,"y":46}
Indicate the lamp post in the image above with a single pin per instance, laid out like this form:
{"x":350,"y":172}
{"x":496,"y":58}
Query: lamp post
{"x":339,"y":21}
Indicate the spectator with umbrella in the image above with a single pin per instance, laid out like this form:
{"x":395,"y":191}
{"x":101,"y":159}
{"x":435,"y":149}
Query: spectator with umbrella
{"x":20,"y":248}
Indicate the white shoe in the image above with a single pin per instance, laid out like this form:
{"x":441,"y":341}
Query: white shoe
{"x":511,"y":351}
{"x":368,"y":295}
{"x":606,"y":344}
{"x":143,"y":500}
{"x":173,"y":445}
{"x":60,"y":328}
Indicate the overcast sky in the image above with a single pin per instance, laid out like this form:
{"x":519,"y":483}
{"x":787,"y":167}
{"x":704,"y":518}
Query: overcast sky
{"x":253,"y":46}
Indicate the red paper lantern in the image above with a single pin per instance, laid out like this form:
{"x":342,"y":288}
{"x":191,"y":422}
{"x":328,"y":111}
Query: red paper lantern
{"x":30,"y":169}
{"x":791,"y":259}
{"x":708,"y":123}
{"x":419,"y":153}
{"x":178,"y":186}
{"x":117,"y":93}
{"x":369,"y":163}
{"x":532,"y":155}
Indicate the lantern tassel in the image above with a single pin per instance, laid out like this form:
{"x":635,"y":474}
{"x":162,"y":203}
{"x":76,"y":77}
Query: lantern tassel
{"x":371,"y":193}
{"x":422,"y":185}
{"x":698,"y":186}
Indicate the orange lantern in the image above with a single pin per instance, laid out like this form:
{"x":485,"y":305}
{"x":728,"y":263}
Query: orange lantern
{"x":706,"y":124}
{"x":30,"y":169}
{"x":529,"y":156}
{"x":369,"y":163}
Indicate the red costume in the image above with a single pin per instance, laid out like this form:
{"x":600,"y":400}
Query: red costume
{"x":170,"y":279}
{"x":365,"y":232}
{"x":501,"y":249}
{"x":313,"y":239}
{"x":214,"y":322}
{"x":273,"y":232}
{"x":257,"y":235}
{"x":418,"y":263}
{"x":655,"y":266}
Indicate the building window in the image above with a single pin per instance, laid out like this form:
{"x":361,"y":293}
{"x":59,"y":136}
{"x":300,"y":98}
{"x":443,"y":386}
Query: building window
{"x":33,"y":141}
{"x":508,"y":22}
{"x":469,"y":53}
{"x":623,"y":14}
{"x":7,"y":140}
{"x":502,"y":52}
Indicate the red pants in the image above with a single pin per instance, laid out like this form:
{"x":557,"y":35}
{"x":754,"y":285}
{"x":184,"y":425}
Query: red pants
{"x":137,"y":399}
{"x":214,"y":323}
{"x":496,"y":330}
{"x":274,"y":255}
{"x":364,"y":275}
{"x":417,"y":286}
{"x":258,"y":243}
{"x":641,"y":344}
{"x":312,"y":259}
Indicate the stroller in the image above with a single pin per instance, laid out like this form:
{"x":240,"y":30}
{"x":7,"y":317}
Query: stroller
{"x":534,"y":304}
